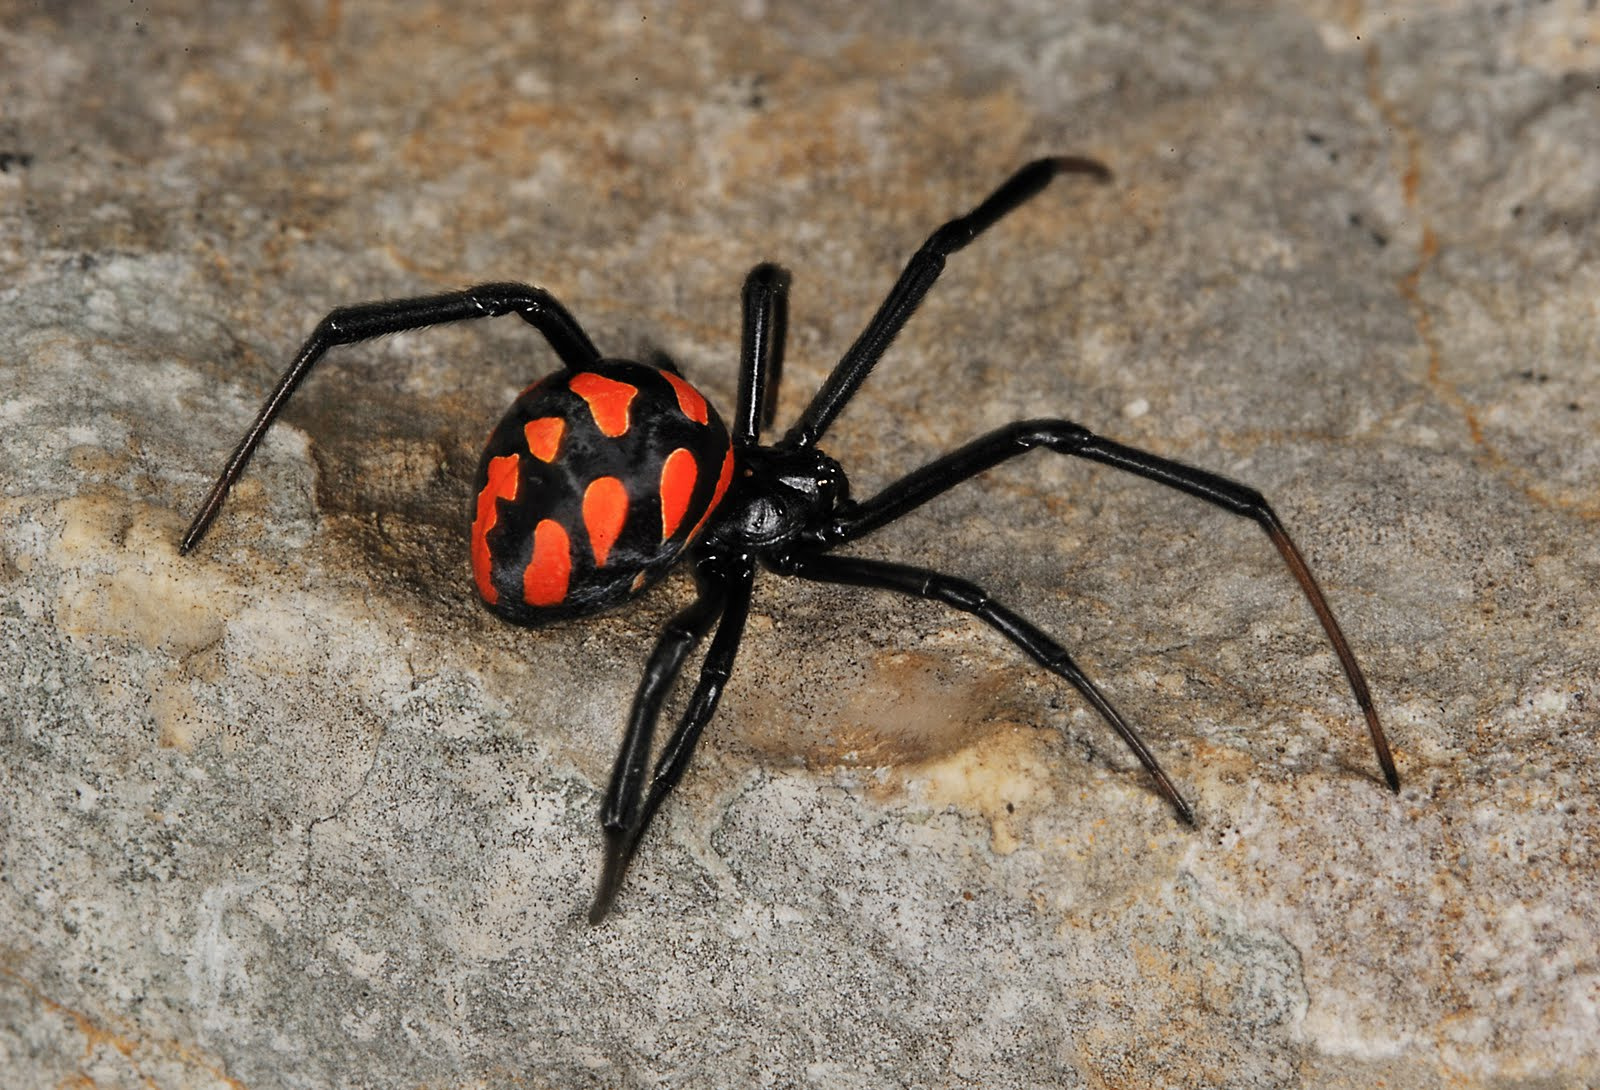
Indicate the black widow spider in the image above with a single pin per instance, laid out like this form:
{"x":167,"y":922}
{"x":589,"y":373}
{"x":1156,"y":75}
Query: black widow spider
{"x":602,"y":475}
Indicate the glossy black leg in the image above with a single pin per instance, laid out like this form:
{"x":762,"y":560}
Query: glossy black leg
{"x":348,"y":325}
{"x":1065,"y":437}
{"x":970,"y":598}
{"x":624,"y":816}
{"x":766,"y":320}
{"x":919,"y":275}
{"x":682,"y":633}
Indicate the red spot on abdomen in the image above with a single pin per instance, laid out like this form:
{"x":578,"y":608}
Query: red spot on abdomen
{"x":544,"y":437}
{"x":689,"y":399}
{"x":678,"y":474}
{"x":544,"y":581}
{"x":724,"y":478}
{"x":608,"y":400}
{"x":605,"y":509}
{"x":501,"y":485}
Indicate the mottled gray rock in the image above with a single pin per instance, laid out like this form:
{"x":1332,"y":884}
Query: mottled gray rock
{"x":293,"y":811}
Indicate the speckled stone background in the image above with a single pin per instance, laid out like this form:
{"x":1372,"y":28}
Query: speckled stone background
{"x":295,"y":812}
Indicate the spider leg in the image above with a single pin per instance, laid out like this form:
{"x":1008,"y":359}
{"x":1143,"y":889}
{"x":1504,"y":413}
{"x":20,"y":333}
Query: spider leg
{"x":1065,"y":437}
{"x":348,"y":325}
{"x":766,"y":320}
{"x":725,"y":592}
{"x":970,"y":598}
{"x":682,"y":633}
{"x":918,"y":276}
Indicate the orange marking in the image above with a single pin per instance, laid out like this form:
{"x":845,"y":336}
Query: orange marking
{"x":544,"y":436}
{"x":501,"y":485}
{"x":544,"y":581}
{"x":724,"y":478}
{"x":605,"y":509}
{"x":678,"y":476}
{"x":608,"y":400}
{"x":689,"y":399}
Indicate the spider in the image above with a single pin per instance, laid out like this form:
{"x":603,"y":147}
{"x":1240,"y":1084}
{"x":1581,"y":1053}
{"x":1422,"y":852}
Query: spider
{"x":605,"y":474}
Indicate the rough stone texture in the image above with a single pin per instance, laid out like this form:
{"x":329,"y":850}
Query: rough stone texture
{"x":295,"y":812}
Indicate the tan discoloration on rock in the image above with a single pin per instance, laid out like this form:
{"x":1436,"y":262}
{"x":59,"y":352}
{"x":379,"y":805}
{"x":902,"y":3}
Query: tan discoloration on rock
{"x":297,"y":800}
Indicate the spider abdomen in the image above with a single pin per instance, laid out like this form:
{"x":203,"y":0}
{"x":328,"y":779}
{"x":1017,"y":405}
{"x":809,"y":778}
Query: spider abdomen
{"x":591,"y":486}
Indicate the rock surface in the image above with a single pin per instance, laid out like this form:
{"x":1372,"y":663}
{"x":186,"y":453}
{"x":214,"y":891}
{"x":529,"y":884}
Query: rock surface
{"x":293,"y":811}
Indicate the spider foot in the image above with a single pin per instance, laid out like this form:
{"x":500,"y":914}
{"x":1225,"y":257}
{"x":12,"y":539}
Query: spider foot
{"x":619,"y":848}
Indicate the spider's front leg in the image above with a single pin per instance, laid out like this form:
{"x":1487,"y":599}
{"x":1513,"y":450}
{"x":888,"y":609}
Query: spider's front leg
{"x":970,"y":598}
{"x":725,"y":582}
{"x":914,"y":283}
{"x":766,"y":322}
{"x":1066,"y":437}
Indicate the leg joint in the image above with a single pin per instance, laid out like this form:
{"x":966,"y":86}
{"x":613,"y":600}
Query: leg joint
{"x":1061,"y":436}
{"x":965,"y":596}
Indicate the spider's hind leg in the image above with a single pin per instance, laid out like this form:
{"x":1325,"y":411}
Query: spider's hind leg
{"x":365,"y":321}
{"x":725,"y":584}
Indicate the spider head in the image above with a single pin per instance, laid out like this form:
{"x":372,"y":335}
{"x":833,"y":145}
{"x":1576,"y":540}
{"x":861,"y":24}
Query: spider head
{"x":779,"y":494}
